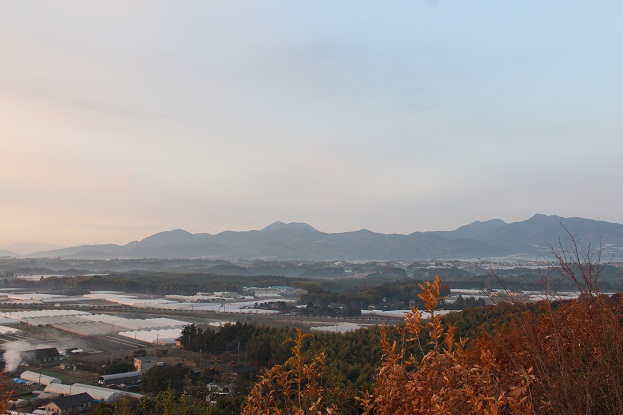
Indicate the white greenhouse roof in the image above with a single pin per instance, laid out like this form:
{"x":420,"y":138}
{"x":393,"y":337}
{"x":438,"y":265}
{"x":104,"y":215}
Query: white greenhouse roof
{"x":102,"y":394}
{"x":8,"y":321}
{"x":158,"y":337}
{"x":9,"y":330}
{"x":39,"y":378}
{"x":26,"y":315}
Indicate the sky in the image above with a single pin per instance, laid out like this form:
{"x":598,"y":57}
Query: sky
{"x":120,"y":119}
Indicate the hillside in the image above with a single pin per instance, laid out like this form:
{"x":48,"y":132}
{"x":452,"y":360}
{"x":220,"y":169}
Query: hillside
{"x":529,"y":239}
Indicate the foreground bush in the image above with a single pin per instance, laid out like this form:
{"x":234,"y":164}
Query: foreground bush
{"x":555,"y":357}
{"x":292,"y":388}
{"x":450,"y":378}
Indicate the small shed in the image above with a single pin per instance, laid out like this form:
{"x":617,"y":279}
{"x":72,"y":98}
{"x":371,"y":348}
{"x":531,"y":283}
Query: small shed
{"x":144,"y":363}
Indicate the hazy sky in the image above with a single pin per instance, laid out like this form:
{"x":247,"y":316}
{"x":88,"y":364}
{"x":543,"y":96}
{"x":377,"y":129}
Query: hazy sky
{"x":119,"y":119}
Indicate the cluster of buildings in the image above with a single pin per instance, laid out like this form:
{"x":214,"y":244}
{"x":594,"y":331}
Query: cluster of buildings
{"x":272,"y":291}
{"x":59,"y":399}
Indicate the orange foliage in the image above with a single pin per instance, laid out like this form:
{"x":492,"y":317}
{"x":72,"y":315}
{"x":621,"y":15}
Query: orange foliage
{"x":293,"y":388}
{"x":563,"y":358}
{"x":450,"y":379}
{"x":576,"y":350}
{"x":5,"y":395}
{"x":566,"y":358}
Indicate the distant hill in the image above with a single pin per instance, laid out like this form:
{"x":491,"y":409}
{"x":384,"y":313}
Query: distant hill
{"x":24,"y":248}
{"x":529,"y":239}
{"x":168,"y":238}
{"x":476,"y":229}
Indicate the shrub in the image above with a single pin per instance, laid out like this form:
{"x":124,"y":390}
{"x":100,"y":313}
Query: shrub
{"x":450,"y":378}
{"x":293,"y":388}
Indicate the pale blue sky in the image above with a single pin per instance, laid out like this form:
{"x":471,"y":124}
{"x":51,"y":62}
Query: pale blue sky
{"x":119,"y":119}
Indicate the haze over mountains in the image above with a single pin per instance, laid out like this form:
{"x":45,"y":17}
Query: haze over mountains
{"x":299,"y":241}
{"x":26,"y":248}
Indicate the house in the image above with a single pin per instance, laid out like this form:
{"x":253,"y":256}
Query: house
{"x":144,"y":363}
{"x":40,"y":356}
{"x":71,"y":404}
{"x":249,"y":371}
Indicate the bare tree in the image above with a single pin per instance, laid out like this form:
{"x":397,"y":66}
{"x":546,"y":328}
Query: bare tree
{"x":581,"y":268}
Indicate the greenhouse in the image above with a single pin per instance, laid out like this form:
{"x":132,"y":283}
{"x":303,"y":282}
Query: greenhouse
{"x":157,"y":337}
{"x":39,"y":378}
{"x":101,"y":394}
{"x":9,"y":330}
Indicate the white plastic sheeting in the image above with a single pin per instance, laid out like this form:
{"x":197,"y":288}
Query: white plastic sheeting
{"x":129,"y":300}
{"x":39,"y":378}
{"x":157,"y":337}
{"x":8,"y":321}
{"x":86,"y":324}
{"x":161,"y":322}
{"x":138,"y":324}
{"x":35,"y":296}
{"x":41,"y":298}
{"x":119,"y":378}
{"x":504,"y":295}
{"x":242,"y":307}
{"x":107,"y":295}
{"x":9,"y":330}
{"x":220,"y":323}
{"x":87,"y":328}
{"x":52,"y":320}
{"x":26,"y":315}
{"x":222,"y":306}
{"x":401,"y":313}
{"x":340,"y":328}
{"x":101,"y":394}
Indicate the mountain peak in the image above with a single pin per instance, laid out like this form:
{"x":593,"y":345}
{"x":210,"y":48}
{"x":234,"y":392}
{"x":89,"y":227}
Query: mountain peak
{"x":485,"y":226}
{"x":542,"y":216}
{"x":277,"y":226}
{"x":174,"y":237}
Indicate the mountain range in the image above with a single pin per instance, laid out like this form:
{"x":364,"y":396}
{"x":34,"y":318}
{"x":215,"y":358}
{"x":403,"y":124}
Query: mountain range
{"x":529,"y":239}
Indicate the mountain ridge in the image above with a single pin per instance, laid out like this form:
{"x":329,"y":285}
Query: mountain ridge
{"x":280,"y":226}
{"x":531,"y":238}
